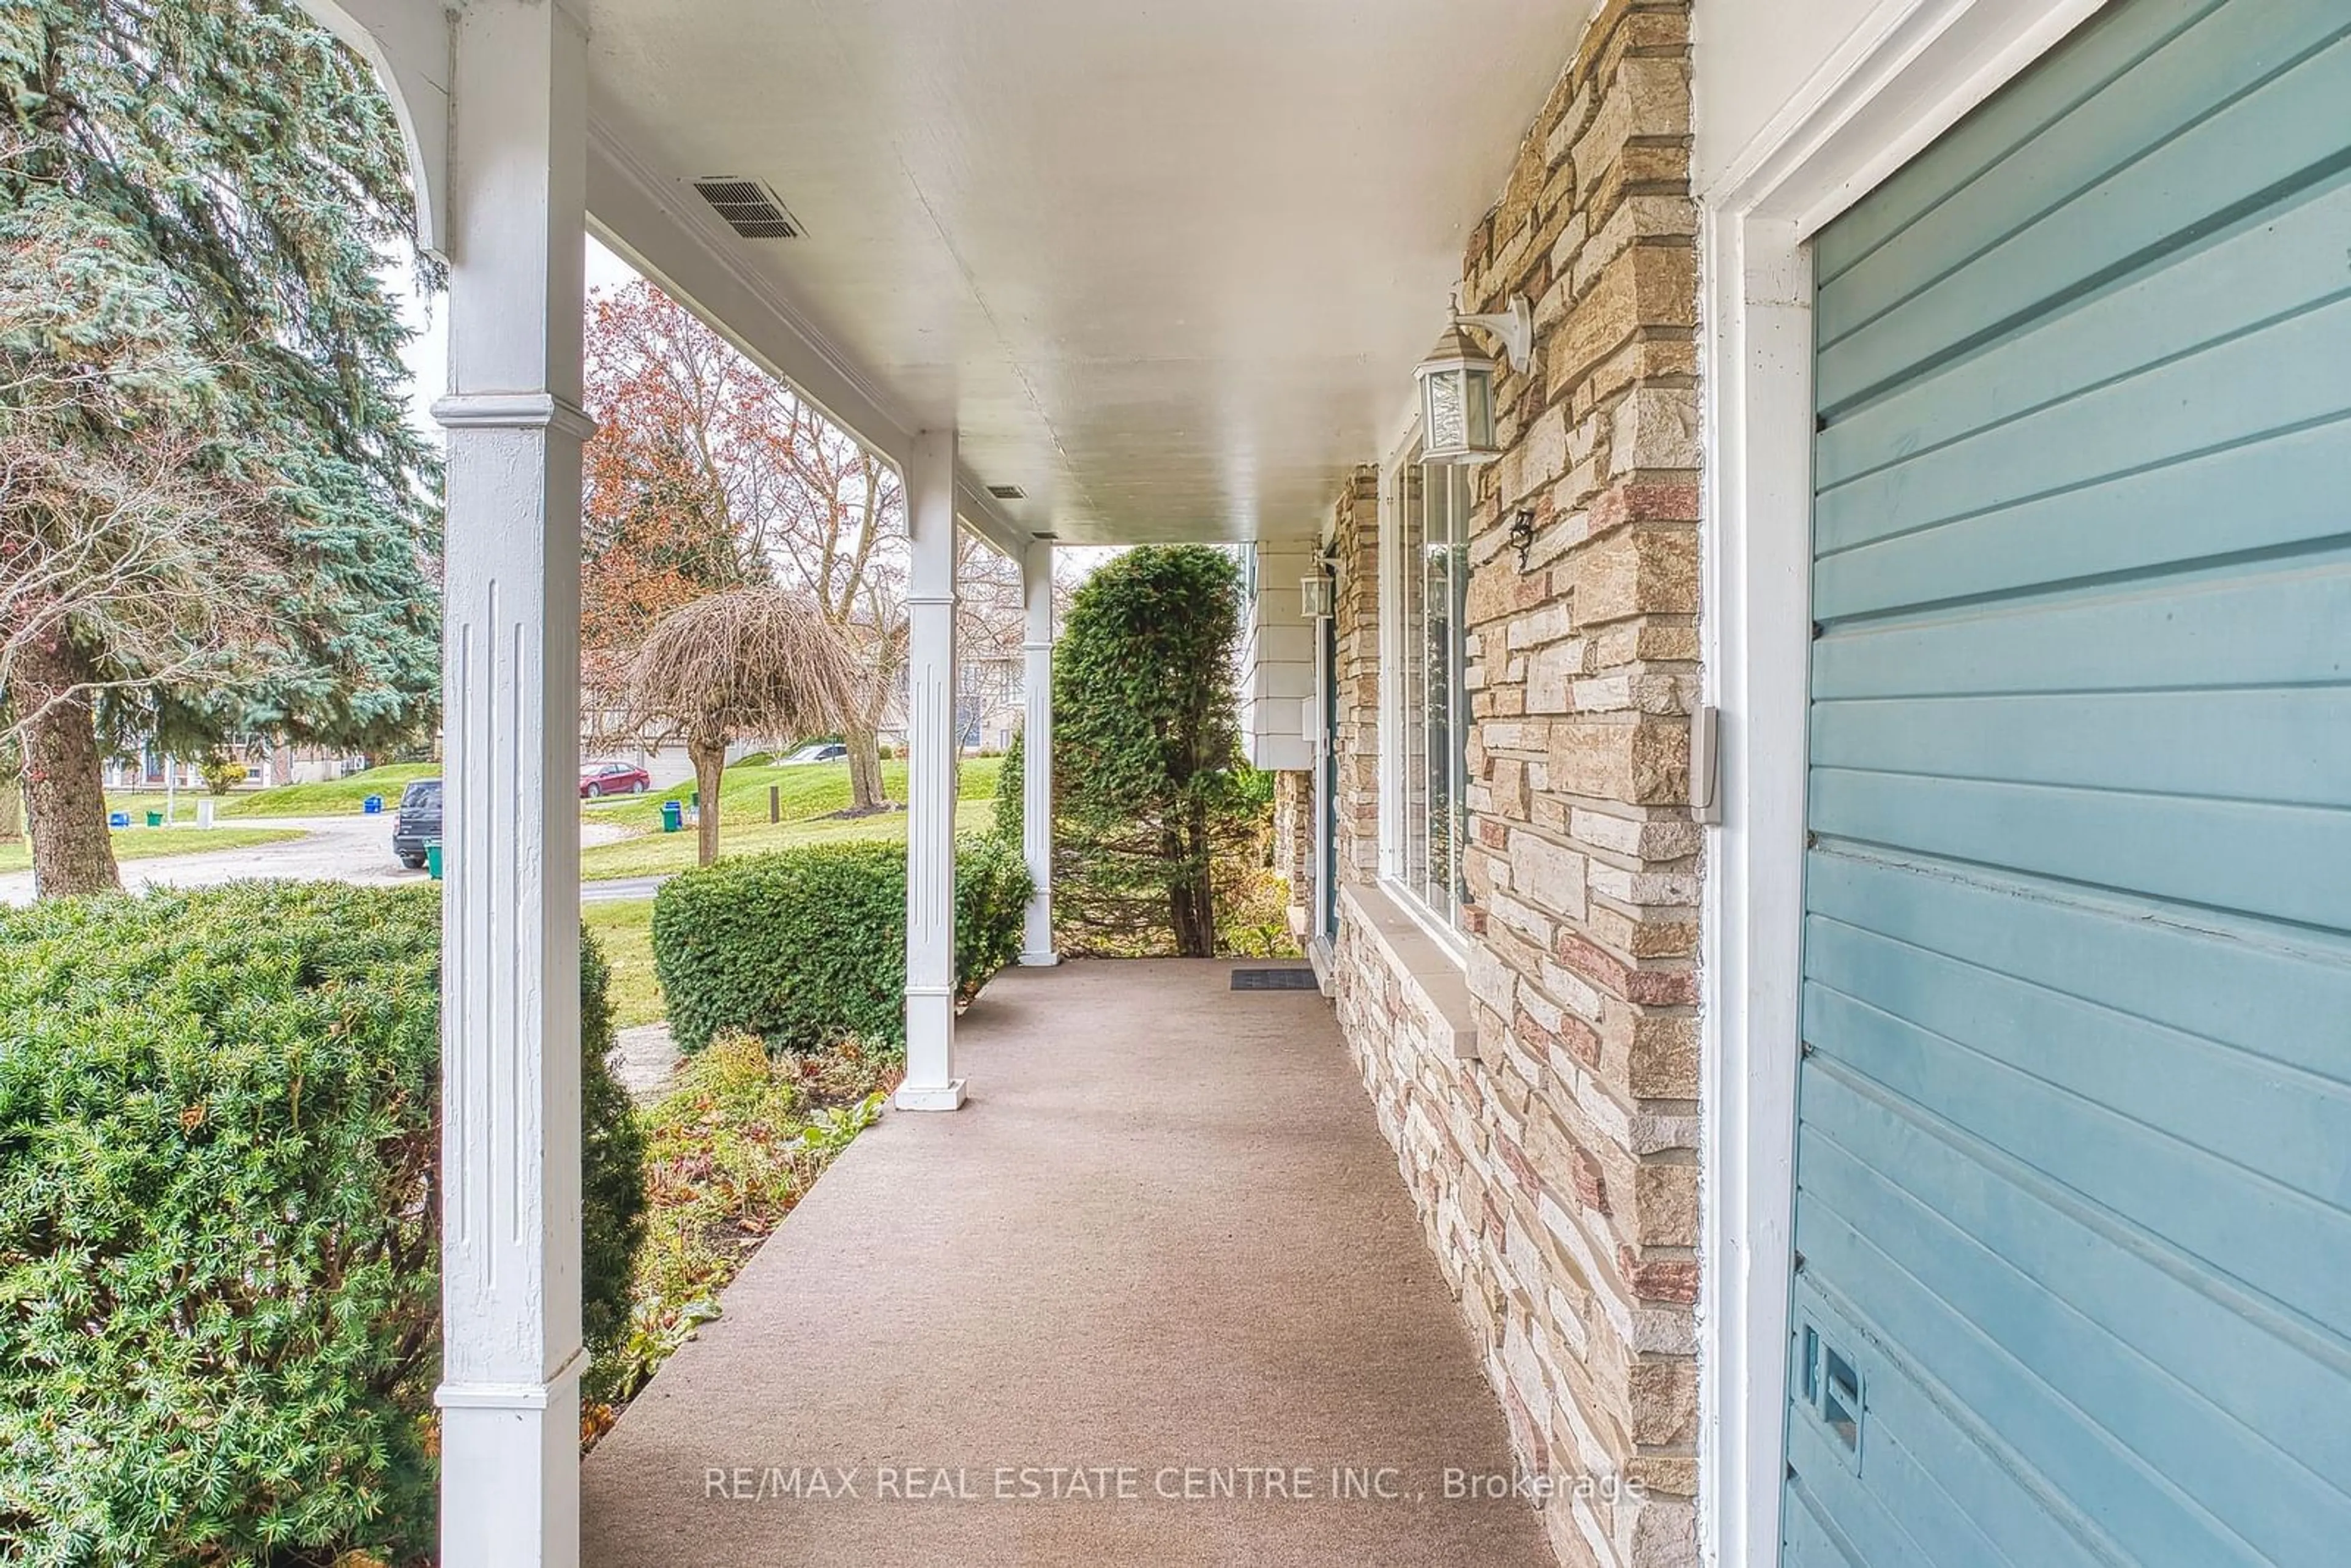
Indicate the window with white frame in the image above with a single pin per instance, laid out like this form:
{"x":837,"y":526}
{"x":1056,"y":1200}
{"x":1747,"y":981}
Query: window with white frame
{"x":1428,"y":698}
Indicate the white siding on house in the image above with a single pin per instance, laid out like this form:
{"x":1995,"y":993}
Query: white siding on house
{"x":1277,"y":658}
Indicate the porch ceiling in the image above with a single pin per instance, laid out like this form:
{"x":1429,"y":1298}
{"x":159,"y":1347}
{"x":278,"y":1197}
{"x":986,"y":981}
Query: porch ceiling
{"x":1167,"y":267}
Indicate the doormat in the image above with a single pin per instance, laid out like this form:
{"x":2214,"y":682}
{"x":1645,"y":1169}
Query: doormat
{"x":1298,"y":978}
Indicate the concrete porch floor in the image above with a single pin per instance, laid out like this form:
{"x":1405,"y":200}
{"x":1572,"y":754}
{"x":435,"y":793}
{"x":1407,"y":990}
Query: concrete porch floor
{"x":1163,"y":1236}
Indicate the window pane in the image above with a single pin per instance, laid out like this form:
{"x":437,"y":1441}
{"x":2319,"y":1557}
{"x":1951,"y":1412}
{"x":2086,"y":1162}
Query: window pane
{"x":1432,"y":583}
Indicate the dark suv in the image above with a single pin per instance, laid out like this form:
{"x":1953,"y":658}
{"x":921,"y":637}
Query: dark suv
{"x":418,"y":824}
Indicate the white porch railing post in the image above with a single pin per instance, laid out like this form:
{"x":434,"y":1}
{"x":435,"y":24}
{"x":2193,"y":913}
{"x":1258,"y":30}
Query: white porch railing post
{"x":1036,"y":754}
{"x":509,"y":1394}
{"x":932,"y":747}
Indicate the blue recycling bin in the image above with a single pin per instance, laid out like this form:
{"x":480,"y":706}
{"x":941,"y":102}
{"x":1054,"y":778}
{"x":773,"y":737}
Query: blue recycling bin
{"x":373,"y":806}
{"x":118,"y":819}
{"x":673,"y":816}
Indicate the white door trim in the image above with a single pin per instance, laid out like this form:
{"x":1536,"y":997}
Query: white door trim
{"x":1906,"y":75}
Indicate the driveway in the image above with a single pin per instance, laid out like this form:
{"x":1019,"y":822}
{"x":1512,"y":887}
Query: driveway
{"x":616,"y":889}
{"x":357,"y":850}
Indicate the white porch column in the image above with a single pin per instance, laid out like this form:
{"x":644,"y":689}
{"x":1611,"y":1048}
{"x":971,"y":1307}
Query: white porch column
{"x":1036,"y":754}
{"x":509,"y":1394}
{"x":932,"y":749}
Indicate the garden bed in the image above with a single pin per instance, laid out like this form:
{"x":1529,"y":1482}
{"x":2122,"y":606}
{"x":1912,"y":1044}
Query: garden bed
{"x":729,"y":1152}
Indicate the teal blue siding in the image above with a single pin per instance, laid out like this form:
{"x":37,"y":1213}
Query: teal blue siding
{"x":2074,"y":1147}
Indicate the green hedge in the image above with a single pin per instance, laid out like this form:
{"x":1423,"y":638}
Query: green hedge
{"x":806,"y":947}
{"x":219,"y":1250}
{"x":1011,"y":807}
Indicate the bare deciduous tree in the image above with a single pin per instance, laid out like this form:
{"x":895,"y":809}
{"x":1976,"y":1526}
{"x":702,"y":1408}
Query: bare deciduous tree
{"x":991,"y":629}
{"x":124,"y":547}
{"x":840,"y":531}
{"x":709,"y":472}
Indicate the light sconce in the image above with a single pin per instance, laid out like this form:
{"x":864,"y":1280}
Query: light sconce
{"x":1316,"y":593}
{"x":1457,"y":385}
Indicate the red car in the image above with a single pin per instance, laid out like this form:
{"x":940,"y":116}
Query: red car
{"x":614,"y":779}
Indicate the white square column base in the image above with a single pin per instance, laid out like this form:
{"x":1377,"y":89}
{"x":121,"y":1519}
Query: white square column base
{"x":945,"y":1096}
{"x":510,"y":1472}
{"x":1039,"y":960}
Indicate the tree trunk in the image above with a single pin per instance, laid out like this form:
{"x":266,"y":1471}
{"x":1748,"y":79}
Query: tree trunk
{"x":12,"y":792}
{"x":709,"y":760}
{"x":866,"y":792}
{"x":1191,"y":901}
{"x":65,"y":784}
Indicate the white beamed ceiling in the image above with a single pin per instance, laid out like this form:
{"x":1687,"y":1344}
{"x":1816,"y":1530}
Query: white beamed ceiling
{"x":1166,"y":264}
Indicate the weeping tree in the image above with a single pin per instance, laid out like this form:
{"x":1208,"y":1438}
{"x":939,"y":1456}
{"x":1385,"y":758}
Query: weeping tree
{"x":214,"y":518}
{"x":1150,"y":785}
{"x":752,"y":661}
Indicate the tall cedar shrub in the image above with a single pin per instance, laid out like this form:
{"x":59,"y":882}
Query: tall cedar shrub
{"x":808,"y":946}
{"x":219,"y":1212}
{"x":1150,"y":785}
{"x":1010,"y":809}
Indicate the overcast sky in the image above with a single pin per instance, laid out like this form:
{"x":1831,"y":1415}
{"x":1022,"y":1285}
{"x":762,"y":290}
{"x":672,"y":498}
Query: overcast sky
{"x":428,"y":353}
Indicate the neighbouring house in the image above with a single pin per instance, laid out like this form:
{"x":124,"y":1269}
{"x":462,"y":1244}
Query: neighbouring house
{"x":264,"y":766}
{"x":147,"y":768}
{"x":267,"y":766}
{"x":1814,"y":728}
{"x":990,"y":706}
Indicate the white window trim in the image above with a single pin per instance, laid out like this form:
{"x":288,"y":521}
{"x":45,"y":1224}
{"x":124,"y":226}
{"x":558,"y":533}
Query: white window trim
{"x":1907,"y":73}
{"x":1389,"y":773}
{"x":1452,"y":942}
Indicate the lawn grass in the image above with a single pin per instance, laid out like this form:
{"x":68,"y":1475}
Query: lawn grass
{"x":335,"y":797}
{"x":624,"y":930}
{"x":811,"y":789}
{"x":149,"y":843}
{"x":658,"y":855}
{"x":183,"y":807}
{"x":139,"y":802}
{"x":744,"y":827}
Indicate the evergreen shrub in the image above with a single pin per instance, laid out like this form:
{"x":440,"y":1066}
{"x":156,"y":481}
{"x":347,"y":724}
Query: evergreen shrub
{"x":1150,"y":786}
{"x":219,"y":1223}
{"x":806,"y":947}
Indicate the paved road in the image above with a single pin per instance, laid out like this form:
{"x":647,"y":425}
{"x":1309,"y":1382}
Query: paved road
{"x":620,"y":887}
{"x":356,"y":850}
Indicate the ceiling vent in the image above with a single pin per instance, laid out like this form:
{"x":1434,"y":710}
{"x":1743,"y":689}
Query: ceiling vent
{"x":1048,"y":535}
{"x":1007,"y":492}
{"x":749,"y":208}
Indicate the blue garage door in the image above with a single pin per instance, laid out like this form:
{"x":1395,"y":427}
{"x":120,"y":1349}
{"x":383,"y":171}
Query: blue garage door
{"x":2074,"y":1170}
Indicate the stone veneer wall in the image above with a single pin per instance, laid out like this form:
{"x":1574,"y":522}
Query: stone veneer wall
{"x":1556,"y":1173}
{"x":1293,"y":843}
{"x":1354,"y":546}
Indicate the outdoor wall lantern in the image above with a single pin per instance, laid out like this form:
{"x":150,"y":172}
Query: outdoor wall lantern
{"x":1317,"y":594}
{"x":1457,"y":385}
